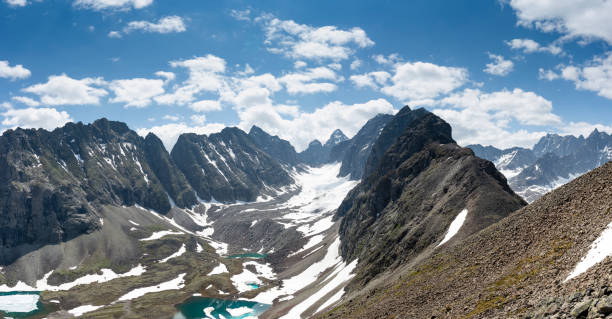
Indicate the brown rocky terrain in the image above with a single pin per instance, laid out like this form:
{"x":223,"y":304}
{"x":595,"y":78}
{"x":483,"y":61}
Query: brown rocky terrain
{"x":515,"y":268}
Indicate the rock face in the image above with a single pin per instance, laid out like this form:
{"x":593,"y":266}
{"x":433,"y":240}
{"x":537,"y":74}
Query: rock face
{"x":516,"y":268}
{"x":53,"y":181}
{"x":354,"y":153}
{"x":276,"y":147}
{"x":554,"y":161}
{"x":228,"y":166}
{"x":419,"y":185}
{"x":318,"y":154}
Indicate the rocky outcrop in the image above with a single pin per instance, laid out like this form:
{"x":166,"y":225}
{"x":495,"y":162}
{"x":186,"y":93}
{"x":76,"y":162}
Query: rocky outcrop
{"x":516,"y":268}
{"x":421,"y":183}
{"x":53,"y":182}
{"x":276,"y":147}
{"x":354,"y":153}
{"x":228,"y":166}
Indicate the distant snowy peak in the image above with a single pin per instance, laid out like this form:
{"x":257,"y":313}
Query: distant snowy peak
{"x":554,"y":161}
{"x":336,"y":137}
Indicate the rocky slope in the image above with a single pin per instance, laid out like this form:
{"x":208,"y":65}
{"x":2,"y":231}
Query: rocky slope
{"x":554,"y":160}
{"x":517,"y":268}
{"x":276,"y":147}
{"x":354,"y":153}
{"x":403,"y":208}
{"x":53,"y":182}
{"x":228,"y":166}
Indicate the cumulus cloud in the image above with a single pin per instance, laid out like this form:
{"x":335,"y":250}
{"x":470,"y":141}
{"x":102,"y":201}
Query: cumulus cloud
{"x":115,"y":35}
{"x":531,"y":46}
{"x":64,"y":90}
{"x":16,"y":3}
{"x":300,"y":41}
{"x":419,"y":82}
{"x":170,"y":117}
{"x":168,"y":76}
{"x":206,"y":106}
{"x":575,"y":18}
{"x":355,"y":64}
{"x":169,"y":133}
{"x":169,"y":24}
{"x":26,"y":100}
{"x":112,"y":4}
{"x":319,"y":124}
{"x":499,"y":66}
{"x":595,"y":76}
{"x":47,"y":118}
{"x":136,"y":92}
{"x":494,"y":114}
{"x":309,"y":81}
{"x":13,"y":72}
{"x":372,"y":79}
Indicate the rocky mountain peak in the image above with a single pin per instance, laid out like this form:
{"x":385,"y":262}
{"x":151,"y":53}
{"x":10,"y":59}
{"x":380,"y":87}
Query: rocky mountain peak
{"x":336,"y":137}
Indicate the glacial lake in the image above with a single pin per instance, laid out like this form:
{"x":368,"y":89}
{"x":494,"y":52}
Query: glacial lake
{"x":20,"y":304}
{"x":211,"y":308}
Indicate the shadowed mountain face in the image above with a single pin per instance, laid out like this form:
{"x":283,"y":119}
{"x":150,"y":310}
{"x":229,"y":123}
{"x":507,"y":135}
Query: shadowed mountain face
{"x":554,"y":160}
{"x":422,"y":181}
{"x":53,"y":182}
{"x":318,"y":154}
{"x":276,"y":147}
{"x":354,"y":153}
{"x":228,"y":166}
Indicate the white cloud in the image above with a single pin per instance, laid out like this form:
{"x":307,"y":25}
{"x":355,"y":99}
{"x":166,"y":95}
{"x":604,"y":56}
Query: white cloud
{"x":299,"y":64}
{"x":115,"y":35}
{"x":13,"y":72}
{"x":372,"y":79}
{"x":300,"y":41}
{"x":112,"y":4}
{"x":487,"y":118}
{"x":595,"y":76}
{"x":168,"y":76}
{"x":389,"y":60}
{"x":531,"y":46}
{"x":16,"y":3}
{"x":136,"y":92}
{"x":170,"y":117}
{"x":169,"y":24}
{"x":575,"y":18}
{"x":421,"y":81}
{"x":47,"y":118}
{"x":64,"y":90}
{"x":206,"y":106}
{"x":169,"y":133}
{"x":243,"y":15}
{"x":355,"y":64}
{"x":204,"y":75}
{"x":306,"y":82}
{"x":547,"y":75}
{"x":198,"y":119}
{"x":26,"y":100}
{"x":584,"y":128}
{"x":319,"y":124}
{"x":499,"y":65}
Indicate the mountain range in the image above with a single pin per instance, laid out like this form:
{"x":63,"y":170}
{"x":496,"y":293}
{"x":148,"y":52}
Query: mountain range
{"x":397,"y":221}
{"x":553,"y":161}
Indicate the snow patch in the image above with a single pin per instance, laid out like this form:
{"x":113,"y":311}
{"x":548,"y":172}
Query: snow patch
{"x":600,"y":249}
{"x":181,"y":251}
{"x":174,"y":284}
{"x":19,"y":303}
{"x":160,"y":234}
{"x":220,"y":269}
{"x":79,"y":311}
{"x":454,"y":226}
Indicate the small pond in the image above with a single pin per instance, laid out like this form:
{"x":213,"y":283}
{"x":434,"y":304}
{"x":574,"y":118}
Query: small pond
{"x":211,"y":308}
{"x":20,"y":304}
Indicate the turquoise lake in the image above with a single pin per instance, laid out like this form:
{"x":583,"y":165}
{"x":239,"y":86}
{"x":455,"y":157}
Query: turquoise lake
{"x":195,"y":307}
{"x":20,"y":304}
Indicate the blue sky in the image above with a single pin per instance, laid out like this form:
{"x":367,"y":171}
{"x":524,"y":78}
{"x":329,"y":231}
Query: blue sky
{"x":502,"y":73}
